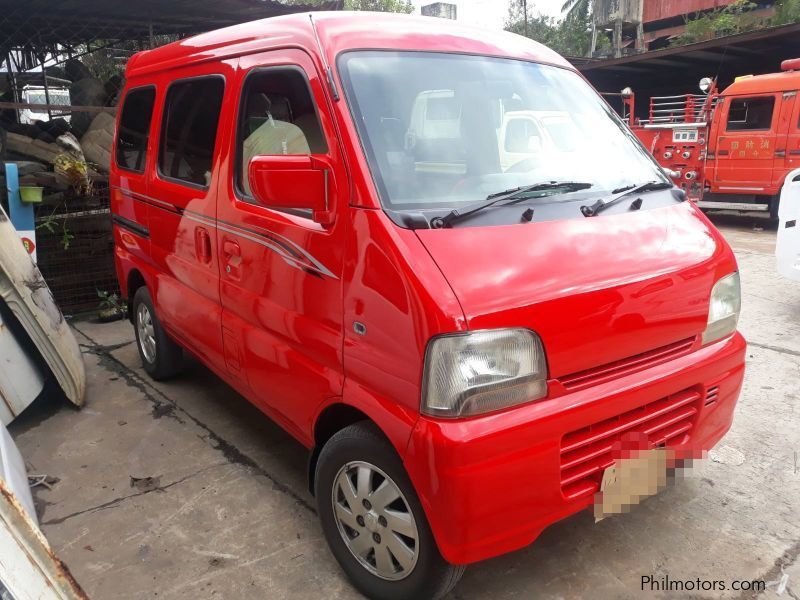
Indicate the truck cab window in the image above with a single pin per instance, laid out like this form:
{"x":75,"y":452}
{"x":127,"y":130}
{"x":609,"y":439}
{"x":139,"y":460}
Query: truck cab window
{"x":189,"y":129}
{"x":134,"y":129}
{"x":751,"y":114}
{"x":277,"y":116}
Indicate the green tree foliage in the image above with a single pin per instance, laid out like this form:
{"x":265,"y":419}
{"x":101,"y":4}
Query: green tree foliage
{"x":576,"y":9}
{"x":727,"y":20}
{"x":737,"y":17}
{"x":787,"y":11}
{"x":398,"y":6}
{"x":570,"y":36}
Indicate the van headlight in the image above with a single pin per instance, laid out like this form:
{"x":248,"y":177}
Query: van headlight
{"x":723,"y":309}
{"x":482,"y":371}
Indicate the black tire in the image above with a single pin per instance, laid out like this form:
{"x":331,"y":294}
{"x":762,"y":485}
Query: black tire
{"x":166,"y":358}
{"x":431,"y":576}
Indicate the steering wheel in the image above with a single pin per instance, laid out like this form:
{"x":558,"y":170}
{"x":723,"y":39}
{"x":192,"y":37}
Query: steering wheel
{"x":522,"y":166}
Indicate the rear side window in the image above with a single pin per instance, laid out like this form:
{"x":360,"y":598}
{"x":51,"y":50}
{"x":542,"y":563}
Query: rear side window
{"x":189,"y":129}
{"x":134,"y":129}
{"x":277,"y":115}
{"x":751,"y":114}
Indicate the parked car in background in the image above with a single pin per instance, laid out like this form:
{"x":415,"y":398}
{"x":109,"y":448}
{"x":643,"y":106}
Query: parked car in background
{"x":32,"y":94}
{"x":466,"y":334}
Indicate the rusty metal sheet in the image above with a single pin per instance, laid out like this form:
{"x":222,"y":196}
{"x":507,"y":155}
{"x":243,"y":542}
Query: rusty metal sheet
{"x":656,"y":10}
{"x":29,"y":569}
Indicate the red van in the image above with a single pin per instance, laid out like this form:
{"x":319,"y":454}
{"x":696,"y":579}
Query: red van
{"x":438,"y":259}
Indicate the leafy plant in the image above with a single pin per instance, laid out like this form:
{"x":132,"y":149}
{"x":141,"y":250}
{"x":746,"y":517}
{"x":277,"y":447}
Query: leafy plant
{"x":112,"y":307}
{"x":52,"y":224}
{"x":787,"y":11}
{"x":734,"y":18}
{"x":75,"y":171}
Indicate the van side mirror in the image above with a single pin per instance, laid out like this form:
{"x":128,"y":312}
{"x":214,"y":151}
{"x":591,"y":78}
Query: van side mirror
{"x":297,"y":182}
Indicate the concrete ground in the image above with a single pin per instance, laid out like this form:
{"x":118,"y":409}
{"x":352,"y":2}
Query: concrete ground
{"x":184,"y":490}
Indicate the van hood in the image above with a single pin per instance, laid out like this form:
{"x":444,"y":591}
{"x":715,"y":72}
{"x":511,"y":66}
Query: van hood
{"x":596,"y":290}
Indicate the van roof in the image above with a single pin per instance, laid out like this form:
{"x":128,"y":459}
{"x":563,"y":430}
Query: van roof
{"x":339,"y":31}
{"x":785,"y":81}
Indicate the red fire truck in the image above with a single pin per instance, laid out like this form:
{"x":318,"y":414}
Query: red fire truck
{"x":729,"y":149}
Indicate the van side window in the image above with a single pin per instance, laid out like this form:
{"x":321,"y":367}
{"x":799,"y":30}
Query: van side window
{"x":276,"y":116}
{"x":751,"y":114}
{"x":189,"y":129}
{"x":134,"y":129}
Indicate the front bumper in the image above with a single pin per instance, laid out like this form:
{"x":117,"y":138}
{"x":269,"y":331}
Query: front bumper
{"x":490,"y":485}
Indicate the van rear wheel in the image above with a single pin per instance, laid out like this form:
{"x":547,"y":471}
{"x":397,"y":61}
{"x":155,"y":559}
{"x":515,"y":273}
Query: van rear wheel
{"x":373,"y":520}
{"x":161,"y":357}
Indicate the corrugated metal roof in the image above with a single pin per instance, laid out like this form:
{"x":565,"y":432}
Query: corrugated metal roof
{"x":46,"y":22}
{"x":678,"y":70}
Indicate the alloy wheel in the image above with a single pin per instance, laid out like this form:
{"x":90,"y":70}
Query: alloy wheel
{"x":147,"y":336}
{"x":375,"y":520}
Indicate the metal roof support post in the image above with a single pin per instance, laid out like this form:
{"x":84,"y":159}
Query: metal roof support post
{"x":43,"y":59}
{"x":12,"y":82}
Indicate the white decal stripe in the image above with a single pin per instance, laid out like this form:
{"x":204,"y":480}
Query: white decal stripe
{"x":313,"y":264}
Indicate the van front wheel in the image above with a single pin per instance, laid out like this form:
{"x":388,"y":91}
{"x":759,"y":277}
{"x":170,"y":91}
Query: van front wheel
{"x":374,"y":522}
{"x":161,"y":357}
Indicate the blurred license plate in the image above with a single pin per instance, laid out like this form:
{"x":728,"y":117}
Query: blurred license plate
{"x":630,"y":480}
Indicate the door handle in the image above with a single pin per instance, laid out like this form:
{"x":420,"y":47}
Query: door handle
{"x":233,"y":258}
{"x":202,"y":245}
{"x":231,"y":248}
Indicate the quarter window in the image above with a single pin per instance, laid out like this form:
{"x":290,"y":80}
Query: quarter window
{"x":277,"y":116}
{"x":134,"y":129}
{"x":751,"y":114}
{"x":189,"y":130}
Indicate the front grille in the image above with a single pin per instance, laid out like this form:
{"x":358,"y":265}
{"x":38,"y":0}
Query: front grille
{"x":626,"y":366}
{"x":587,"y":452}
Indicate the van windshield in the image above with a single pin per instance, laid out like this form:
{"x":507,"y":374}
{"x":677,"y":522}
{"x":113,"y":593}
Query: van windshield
{"x":440,"y":130}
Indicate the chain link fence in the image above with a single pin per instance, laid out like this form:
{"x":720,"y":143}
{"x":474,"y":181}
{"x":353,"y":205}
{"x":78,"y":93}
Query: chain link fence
{"x":61,"y":73}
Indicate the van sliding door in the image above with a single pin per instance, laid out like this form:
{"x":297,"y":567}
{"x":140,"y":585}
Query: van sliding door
{"x":182,"y":201}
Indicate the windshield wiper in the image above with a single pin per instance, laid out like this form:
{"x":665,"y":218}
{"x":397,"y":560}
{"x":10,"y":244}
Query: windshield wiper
{"x":511,"y":196}
{"x":620,"y":193}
